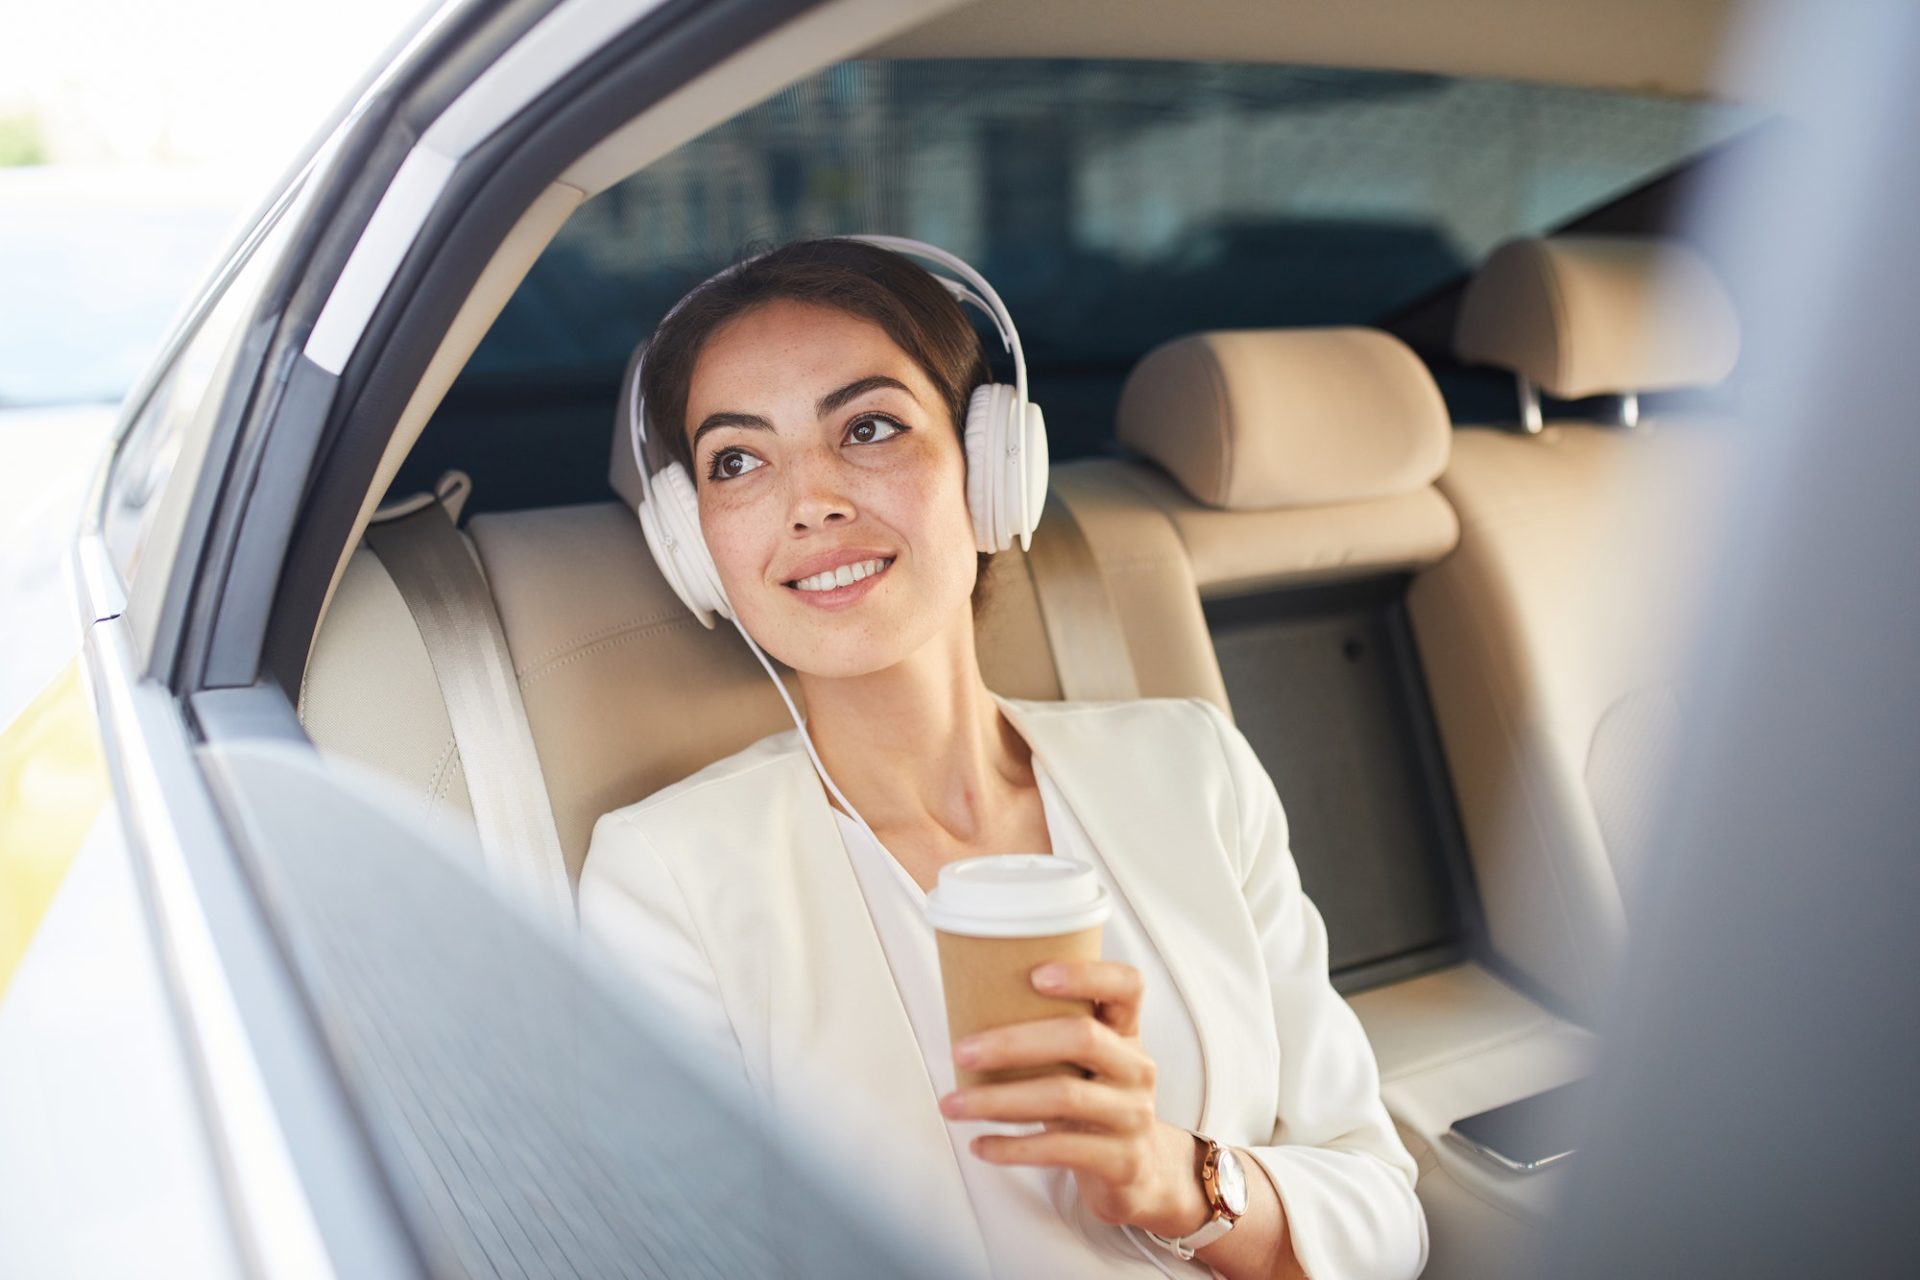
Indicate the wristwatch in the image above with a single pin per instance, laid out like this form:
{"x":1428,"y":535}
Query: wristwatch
{"x":1224,"y":1180}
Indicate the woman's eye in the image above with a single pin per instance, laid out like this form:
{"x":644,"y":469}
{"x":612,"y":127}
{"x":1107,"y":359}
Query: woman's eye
{"x":730,"y":463}
{"x":873,"y":430}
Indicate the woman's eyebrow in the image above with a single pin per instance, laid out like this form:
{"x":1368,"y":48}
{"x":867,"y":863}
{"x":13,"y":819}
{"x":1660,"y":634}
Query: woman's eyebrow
{"x":834,"y":399}
{"x":715,"y":420}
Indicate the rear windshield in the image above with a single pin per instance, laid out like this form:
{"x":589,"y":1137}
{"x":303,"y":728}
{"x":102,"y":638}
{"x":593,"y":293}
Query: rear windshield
{"x":1113,"y":204}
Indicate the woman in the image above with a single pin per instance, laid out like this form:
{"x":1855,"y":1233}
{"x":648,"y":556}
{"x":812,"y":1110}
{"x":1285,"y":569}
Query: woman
{"x":815,"y":395}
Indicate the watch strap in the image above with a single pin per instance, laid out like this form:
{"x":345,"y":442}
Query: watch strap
{"x":1186,"y":1246}
{"x":1193,"y":1242}
{"x":1213,"y":1228}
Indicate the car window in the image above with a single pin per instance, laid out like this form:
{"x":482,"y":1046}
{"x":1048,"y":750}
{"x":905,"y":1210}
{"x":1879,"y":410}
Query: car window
{"x":158,"y":458}
{"x":1113,"y":204}
{"x":94,"y":275}
{"x":533,"y":1119}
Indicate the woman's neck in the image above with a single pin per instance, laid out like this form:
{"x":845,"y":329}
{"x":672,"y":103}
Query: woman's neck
{"x":919,"y":742}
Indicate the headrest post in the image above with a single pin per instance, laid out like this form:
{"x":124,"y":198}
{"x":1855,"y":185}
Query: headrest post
{"x":1530,"y":417}
{"x":1630,"y":409}
{"x":1600,"y":315}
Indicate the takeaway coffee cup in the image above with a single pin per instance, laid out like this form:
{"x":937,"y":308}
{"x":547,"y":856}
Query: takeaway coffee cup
{"x":996,"y":920}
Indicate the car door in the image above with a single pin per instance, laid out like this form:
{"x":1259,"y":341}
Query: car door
{"x":332,"y":1048}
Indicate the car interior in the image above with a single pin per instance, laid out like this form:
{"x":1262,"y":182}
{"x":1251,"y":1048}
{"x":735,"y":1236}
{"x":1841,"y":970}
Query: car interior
{"x":1425,"y":512}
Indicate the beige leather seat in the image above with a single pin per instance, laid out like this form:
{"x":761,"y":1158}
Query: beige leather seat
{"x":1296,"y":459}
{"x":1290,"y":457}
{"x":626,"y":692}
{"x":607,"y":659}
{"x":1551,"y":635}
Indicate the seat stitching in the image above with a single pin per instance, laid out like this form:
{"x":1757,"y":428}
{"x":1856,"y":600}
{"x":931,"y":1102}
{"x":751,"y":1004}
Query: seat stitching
{"x":650,"y":628}
{"x":612,"y":628}
{"x":440,"y":779}
{"x":1136,"y":562}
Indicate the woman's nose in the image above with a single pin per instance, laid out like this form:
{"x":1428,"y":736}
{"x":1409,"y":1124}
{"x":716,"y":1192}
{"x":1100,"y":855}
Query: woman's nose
{"x":816,"y":499}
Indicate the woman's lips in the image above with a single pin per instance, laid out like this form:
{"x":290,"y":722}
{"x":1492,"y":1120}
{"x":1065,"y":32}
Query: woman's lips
{"x":841,"y":596}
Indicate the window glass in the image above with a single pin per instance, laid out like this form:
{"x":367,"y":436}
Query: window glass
{"x":1113,"y":204}
{"x":538,"y":1116}
{"x":95,"y":272}
{"x":159,"y":458}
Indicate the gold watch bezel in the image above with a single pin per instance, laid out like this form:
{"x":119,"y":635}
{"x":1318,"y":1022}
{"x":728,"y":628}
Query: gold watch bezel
{"x":1210,"y":1180}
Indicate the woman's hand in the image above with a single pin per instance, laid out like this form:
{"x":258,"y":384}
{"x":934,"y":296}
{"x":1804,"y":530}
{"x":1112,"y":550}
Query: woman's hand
{"x":1131,"y":1166}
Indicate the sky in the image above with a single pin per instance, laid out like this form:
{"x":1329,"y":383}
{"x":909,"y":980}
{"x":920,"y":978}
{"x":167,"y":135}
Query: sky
{"x":234,"y":85}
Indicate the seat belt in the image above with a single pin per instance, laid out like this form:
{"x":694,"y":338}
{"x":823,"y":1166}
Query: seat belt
{"x":1083,"y":628}
{"x":445,"y":591}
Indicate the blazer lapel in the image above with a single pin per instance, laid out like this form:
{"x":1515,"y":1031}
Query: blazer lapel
{"x":1143,"y":813}
{"x":832,"y":1001}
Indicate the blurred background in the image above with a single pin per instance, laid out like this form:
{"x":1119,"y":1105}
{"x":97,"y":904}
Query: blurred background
{"x":135,"y":139}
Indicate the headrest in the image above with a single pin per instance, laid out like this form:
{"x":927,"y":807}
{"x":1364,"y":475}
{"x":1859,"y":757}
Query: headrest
{"x":1587,"y":315}
{"x":1260,"y":418}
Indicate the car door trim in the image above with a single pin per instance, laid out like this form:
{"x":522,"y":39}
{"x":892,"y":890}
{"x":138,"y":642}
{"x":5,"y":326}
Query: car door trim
{"x":555,"y":45}
{"x":304,"y":1194}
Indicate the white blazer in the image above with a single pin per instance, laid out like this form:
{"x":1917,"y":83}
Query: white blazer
{"x":730,"y":896}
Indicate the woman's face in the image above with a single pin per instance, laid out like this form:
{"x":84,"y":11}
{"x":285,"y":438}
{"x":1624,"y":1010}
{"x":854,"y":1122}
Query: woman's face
{"x":822,"y":452}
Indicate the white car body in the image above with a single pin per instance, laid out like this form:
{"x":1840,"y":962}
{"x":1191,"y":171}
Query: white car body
{"x":172,"y":1099}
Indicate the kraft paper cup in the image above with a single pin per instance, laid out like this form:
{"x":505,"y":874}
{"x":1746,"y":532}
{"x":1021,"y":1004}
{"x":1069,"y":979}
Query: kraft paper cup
{"x":996,"y":920}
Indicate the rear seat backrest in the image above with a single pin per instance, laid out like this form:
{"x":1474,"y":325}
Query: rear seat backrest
{"x":369,"y":691}
{"x":1550,"y":636}
{"x":626,"y":692}
{"x":1297,"y":467}
{"x":1300,"y":468}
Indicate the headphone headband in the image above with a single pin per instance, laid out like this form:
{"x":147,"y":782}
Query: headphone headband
{"x":986,"y":299}
{"x":972,"y":289}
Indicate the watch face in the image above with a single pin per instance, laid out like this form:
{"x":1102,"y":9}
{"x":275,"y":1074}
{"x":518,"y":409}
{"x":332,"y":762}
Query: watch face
{"x":1231,"y":1178}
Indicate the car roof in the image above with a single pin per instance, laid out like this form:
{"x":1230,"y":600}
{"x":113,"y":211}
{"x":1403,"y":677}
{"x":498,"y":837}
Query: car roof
{"x":1670,"y":47}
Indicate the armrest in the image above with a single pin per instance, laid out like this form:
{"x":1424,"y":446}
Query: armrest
{"x":1450,"y":1044}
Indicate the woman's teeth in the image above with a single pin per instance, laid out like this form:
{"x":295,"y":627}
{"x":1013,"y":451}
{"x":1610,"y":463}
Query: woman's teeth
{"x":845,"y":575}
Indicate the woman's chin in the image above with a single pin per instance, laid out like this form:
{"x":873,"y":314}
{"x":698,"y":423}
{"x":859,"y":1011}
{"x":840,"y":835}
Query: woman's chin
{"x":807,"y":650}
{"x":839,"y":667}
{"x":842,"y":652}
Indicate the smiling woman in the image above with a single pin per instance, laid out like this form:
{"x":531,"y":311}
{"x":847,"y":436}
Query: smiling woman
{"x":876,"y":477}
{"x":930,"y":359}
{"x":834,"y":460}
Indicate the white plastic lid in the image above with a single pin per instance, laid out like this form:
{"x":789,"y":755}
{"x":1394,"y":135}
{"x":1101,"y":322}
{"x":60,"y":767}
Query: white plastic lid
{"x":1017,"y":895}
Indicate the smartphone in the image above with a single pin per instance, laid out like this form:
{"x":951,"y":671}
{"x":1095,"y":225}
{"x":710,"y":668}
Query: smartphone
{"x":1529,"y":1134}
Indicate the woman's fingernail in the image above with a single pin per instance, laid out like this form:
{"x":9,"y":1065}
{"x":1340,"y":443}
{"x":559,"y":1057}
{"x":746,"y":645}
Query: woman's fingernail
{"x":954,"y":1104}
{"x":1049,"y":977}
{"x":965,"y":1052}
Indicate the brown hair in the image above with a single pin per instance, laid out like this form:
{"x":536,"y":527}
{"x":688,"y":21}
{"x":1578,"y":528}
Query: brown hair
{"x":877,"y":285}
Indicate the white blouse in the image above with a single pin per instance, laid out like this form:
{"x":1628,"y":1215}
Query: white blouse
{"x":1032,"y":1218}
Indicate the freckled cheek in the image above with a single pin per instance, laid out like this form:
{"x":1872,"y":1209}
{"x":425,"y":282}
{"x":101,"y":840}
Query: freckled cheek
{"x":929,"y":512}
{"x":737,"y":540}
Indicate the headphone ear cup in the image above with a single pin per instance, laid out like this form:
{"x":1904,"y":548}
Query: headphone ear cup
{"x":985,"y":415}
{"x":670,"y":520}
{"x":1030,"y":479}
{"x":1006,"y":488}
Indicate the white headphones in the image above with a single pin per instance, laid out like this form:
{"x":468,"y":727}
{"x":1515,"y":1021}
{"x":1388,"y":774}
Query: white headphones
{"x":1005,"y":443}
